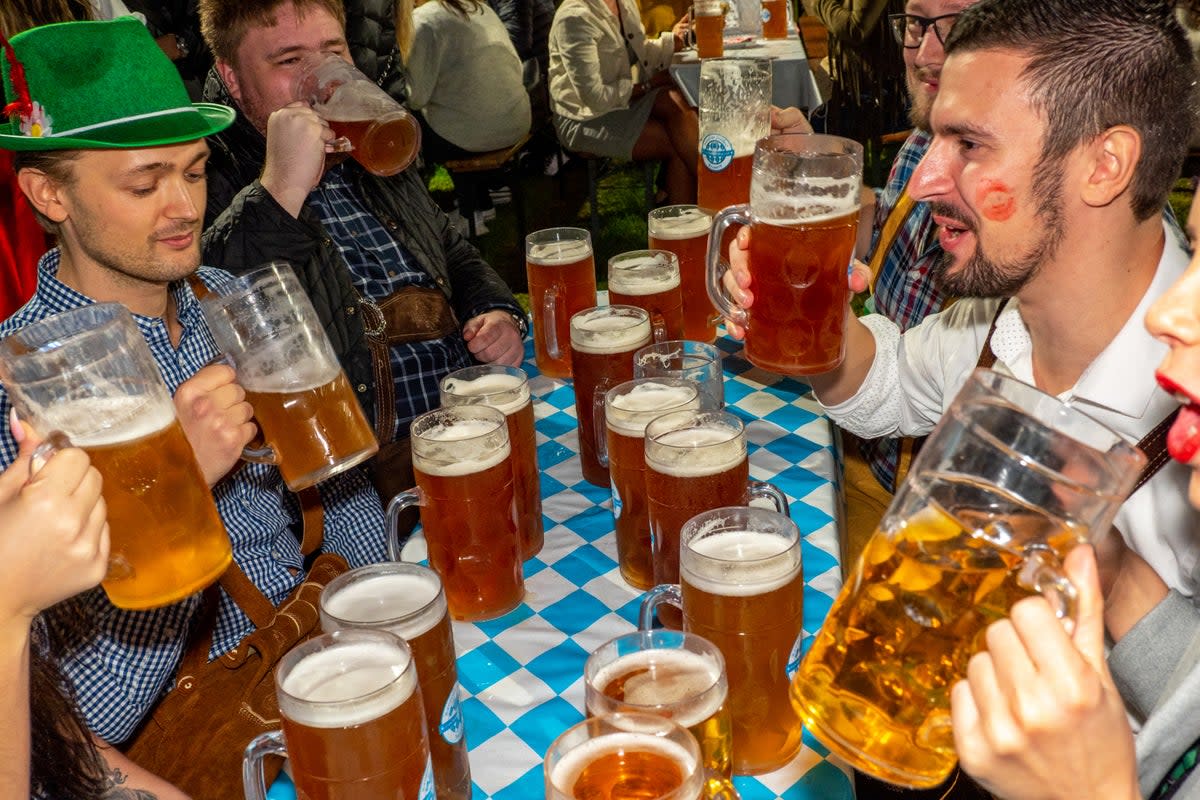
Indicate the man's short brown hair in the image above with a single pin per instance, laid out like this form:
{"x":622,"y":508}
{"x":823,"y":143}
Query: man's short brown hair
{"x":224,"y":23}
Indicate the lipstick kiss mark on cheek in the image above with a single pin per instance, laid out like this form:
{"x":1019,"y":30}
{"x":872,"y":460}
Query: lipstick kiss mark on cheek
{"x":995,"y":200}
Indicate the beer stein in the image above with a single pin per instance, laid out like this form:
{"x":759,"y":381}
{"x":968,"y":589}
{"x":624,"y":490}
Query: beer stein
{"x":352,"y":721}
{"x":803,"y":218}
{"x":690,"y":361}
{"x":1009,"y":482}
{"x":461,"y":461}
{"x":507,"y":389}
{"x":683,"y":230}
{"x":628,"y":408}
{"x":735,"y":112}
{"x":629,"y":754}
{"x":376,"y":130}
{"x":407,"y":600}
{"x":774,"y":19}
{"x":309,"y":416}
{"x":89,"y":375}
{"x":741,"y":587}
{"x":562,"y":282}
{"x":708,"y":28}
{"x":649,"y":279}
{"x":695,"y":461}
{"x":676,"y":675}
{"x":603,"y":340}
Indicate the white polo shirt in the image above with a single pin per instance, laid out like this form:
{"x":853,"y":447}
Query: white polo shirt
{"x":915,"y":377}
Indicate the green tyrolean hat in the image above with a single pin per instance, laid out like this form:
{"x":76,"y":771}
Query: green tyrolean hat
{"x":97,"y":85}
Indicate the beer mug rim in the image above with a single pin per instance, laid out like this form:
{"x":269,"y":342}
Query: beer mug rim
{"x":498,"y":397}
{"x":40,"y":337}
{"x":564,"y":233}
{"x":340,"y":638}
{"x":720,"y":62}
{"x":635,"y":316}
{"x":647,"y":641}
{"x":369,"y":571}
{"x":671,"y":348}
{"x":251,"y":281}
{"x":1053,"y":415}
{"x":474,"y":411}
{"x":671,"y":211}
{"x":616,"y":723}
{"x":625,"y":388}
{"x":669,"y":423}
{"x":719,"y":520}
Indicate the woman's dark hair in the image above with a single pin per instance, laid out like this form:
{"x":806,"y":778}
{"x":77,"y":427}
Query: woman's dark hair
{"x":65,"y":763}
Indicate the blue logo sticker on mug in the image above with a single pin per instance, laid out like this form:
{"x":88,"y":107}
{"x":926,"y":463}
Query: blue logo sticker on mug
{"x":427,"y":791}
{"x":793,"y":662}
{"x":451,"y":726}
{"x":717,"y":152}
{"x":766,"y":14}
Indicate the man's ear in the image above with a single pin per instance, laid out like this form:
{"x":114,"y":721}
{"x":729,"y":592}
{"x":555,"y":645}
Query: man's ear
{"x":1110,"y":164}
{"x":229,"y":75}
{"x":44,"y":193}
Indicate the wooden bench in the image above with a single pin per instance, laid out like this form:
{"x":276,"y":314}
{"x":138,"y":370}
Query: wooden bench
{"x":502,"y":162}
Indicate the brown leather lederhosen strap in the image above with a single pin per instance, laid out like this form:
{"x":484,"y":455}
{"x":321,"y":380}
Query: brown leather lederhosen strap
{"x":887,"y":235}
{"x":410,"y":314}
{"x":1154,"y":445}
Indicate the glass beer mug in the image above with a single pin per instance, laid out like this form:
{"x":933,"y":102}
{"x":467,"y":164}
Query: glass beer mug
{"x":735,"y":112}
{"x":309,"y":416}
{"x":1008,"y":483}
{"x":462,"y":462}
{"x":803,"y":218}
{"x":741,"y":587}
{"x":561,"y":270}
{"x":626,"y":755}
{"x":376,"y":130}
{"x":352,"y":721}
{"x":407,"y":600}
{"x":89,"y":375}
{"x":683,"y":230}
{"x":649,"y":279}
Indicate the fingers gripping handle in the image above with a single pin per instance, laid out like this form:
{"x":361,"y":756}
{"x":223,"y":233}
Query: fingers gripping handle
{"x":715,"y":268}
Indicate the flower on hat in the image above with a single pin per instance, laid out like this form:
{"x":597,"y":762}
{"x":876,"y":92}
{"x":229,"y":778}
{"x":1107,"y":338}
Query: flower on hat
{"x":37,"y":122}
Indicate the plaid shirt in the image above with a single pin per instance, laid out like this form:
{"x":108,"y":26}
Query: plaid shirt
{"x":128,"y":659}
{"x":904,"y":292}
{"x":379,"y":266}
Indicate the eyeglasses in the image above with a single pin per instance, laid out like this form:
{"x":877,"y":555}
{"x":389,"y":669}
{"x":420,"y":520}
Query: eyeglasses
{"x":910,"y":30}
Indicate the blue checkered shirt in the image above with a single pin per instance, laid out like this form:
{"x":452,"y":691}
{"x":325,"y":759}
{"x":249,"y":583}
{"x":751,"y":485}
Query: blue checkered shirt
{"x":904,"y":292}
{"x":129,"y":659}
{"x":380,"y":265}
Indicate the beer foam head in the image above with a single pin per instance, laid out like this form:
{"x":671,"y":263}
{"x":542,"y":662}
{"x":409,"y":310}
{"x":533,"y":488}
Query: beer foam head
{"x":101,"y":421}
{"x":804,"y":200}
{"x":696,"y":451}
{"x":643,"y":274}
{"x":409,"y":602}
{"x":630,"y":412}
{"x":739,"y":563}
{"x":569,"y":768}
{"x":347,"y":684}
{"x":459,"y":447}
{"x":688,"y":223}
{"x":603,"y":330}
{"x":511,"y":391}
{"x":556,"y":253}
{"x":276,"y":369}
{"x":668,"y":677}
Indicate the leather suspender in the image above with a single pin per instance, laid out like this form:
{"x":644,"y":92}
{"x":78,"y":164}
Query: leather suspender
{"x":887,"y":236}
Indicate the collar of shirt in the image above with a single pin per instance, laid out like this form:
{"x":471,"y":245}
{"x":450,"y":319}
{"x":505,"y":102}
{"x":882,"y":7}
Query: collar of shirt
{"x":1106,"y":382}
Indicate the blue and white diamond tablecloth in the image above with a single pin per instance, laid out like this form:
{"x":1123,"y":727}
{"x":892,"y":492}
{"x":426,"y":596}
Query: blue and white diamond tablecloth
{"x":521,"y":674}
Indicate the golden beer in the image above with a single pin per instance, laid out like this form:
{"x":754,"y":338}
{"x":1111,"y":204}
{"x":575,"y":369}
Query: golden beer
{"x":603,"y":340}
{"x":628,"y":409}
{"x":316,"y":431}
{"x":709,"y":29}
{"x":167,"y":539}
{"x":875,"y":687}
{"x":507,"y":390}
{"x":689,"y":470}
{"x":624,"y":756}
{"x":383,"y":146}
{"x":798,"y":321}
{"x":407,"y":600}
{"x":728,"y":186}
{"x":744,"y":592}
{"x":468,"y":513}
{"x":354,"y":725}
{"x":679,"y":680}
{"x":683,"y":230}
{"x":562,"y":282}
{"x":774,"y":19}
{"x":649,"y":280}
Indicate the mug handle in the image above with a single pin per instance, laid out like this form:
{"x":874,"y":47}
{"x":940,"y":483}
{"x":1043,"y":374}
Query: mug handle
{"x":713,"y":268}
{"x":406,"y":499}
{"x":663,"y":593}
{"x":265,"y":744}
{"x":658,"y":328}
{"x":716,"y":787}
{"x":1043,"y":573}
{"x":550,"y":301}
{"x":761,"y":489}
{"x":54,"y":441}
{"x":600,"y":423}
{"x":257,"y":451}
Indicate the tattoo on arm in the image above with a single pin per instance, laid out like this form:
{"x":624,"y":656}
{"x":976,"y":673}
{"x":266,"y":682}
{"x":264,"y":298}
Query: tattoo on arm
{"x":114,"y":789}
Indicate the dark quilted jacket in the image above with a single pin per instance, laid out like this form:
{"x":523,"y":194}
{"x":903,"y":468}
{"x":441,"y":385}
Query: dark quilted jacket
{"x":371,"y":34}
